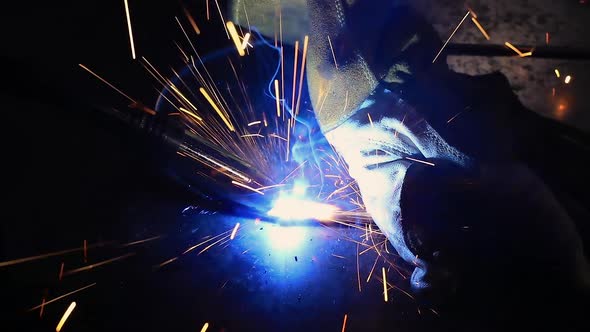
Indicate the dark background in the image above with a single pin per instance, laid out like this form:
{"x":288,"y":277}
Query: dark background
{"x":70,"y":168}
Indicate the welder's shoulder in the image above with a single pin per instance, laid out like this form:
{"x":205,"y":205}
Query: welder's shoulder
{"x":492,"y":87}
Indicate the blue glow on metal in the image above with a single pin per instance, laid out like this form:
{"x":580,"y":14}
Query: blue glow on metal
{"x":286,"y":237}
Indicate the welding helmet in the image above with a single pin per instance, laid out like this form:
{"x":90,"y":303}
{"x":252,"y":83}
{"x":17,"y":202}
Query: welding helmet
{"x":354,"y":46}
{"x":360,"y":48}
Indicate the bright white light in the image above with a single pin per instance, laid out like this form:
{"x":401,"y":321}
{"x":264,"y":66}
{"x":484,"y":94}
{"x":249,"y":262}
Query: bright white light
{"x":299,"y":188}
{"x":286,"y":237}
{"x":296,"y":208}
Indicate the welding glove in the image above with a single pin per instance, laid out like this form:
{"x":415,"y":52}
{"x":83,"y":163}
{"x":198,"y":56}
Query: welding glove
{"x":478,"y":231}
{"x":437,"y":155}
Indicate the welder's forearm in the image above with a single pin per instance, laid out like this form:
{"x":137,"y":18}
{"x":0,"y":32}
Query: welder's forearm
{"x":497,"y":212}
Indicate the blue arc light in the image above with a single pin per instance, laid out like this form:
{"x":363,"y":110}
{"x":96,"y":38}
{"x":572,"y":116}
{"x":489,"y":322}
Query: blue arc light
{"x":294,"y":208}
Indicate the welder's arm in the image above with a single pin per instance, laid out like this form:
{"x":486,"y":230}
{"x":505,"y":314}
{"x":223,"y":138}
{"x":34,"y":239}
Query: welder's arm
{"x":493,"y":228}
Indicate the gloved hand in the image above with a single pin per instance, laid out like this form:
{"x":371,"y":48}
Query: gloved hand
{"x":440,"y":165}
{"x":379,"y":153}
{"x":487,"y":228}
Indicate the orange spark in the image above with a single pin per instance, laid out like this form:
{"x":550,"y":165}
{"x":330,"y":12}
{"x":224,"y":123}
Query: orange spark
{"x":358,"y":270}
{"x":235,"y":37}
{"x":91,"y":266}
{"x":512,"y":47}
{"x":222,"y":19}
{"x":279,"y":9}
{"x":190,"y":113}
{"x":277,"y":98}
{"x":105,"y":82}
{"x":370,"y":119}
{"x":451,"y":36}
{"x":420,"y":161}
{"x":167,"y":262}
{"x":373,"y":240}
{"x":471,"y":11}
{"x":206,"y":241}
{"x":372,"y":247}
{"x":61,"y":271}
{"x":333,"y":54}
{"x":283,"y":83}
{"x":61,"y":297}
{"x":85,"y":251}
{"x":205,"y":327}
{"x":453,"y":117}
{"x":130,"y":31}
{"x":63,"y":319}
{"x":185,"y":111}
{"x":547,"y":38}
{"x":219,"y":164}
{"x":247,"y":187}
{"x":33,"y":258}
{"x":481,"y":29}
{"x":252,"y":135}
{"x":275,"y":31}
{"x":185,"y":35}
{"x":283,"y":92}
{"x":192,"y":21}
{"x":143,"y":108}
{"x":271,"y":186}
{"x":305,"y":42}
{"x":141,"y":241}
{"x":294,"y":76}
{"x":344,"y":322}
{"x":530,"y":53}
{"x":233,"y":233}
{"x":212,"y":244}
{"x":557,"y":73}
{"x":245,"y":40}
{"x":42,"y":307}
{"x":277,"y":136}
{"x":373,"y":268}
{"x":221,"y":115}
{"x":384,"y":284}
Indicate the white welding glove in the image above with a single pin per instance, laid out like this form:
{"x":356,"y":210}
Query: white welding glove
{"x":379,"y":144}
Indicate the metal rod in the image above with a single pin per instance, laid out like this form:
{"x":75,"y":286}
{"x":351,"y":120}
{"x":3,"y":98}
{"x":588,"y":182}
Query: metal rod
{"x":544,"y":52}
